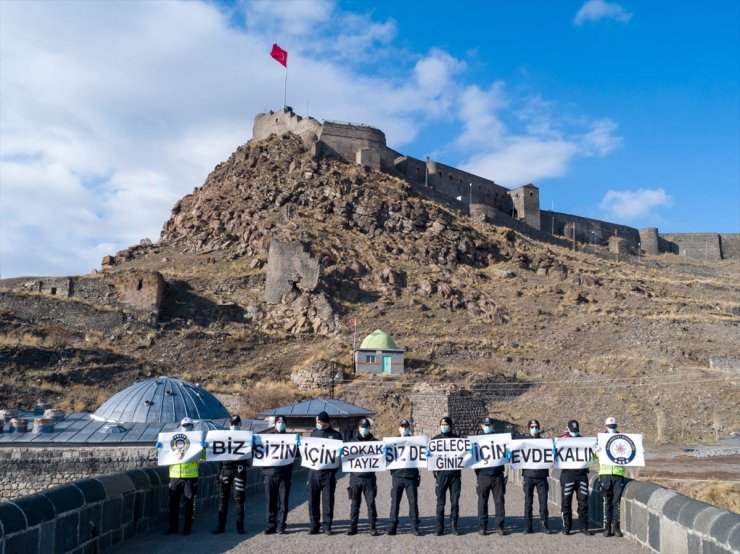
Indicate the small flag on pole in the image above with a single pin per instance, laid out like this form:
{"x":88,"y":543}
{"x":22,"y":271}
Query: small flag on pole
{"x":279,"y":54}
{"x":354,"y":323}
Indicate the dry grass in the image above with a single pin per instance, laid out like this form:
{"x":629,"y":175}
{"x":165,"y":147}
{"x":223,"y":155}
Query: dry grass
{"x":723,"y":494}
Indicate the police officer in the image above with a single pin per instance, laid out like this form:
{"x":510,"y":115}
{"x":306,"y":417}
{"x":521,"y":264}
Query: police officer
{"x":611,"y":483}
{"x":447,"y":480}
{"x":183,"y":483}
{"x":322,"y":482}
{"x":233,"y":472}
{"x":490,"y":480}
{"x":574,"y":480}
{"x":277,"y":488}
{"x":363,"y":484}
{"x":408,"y":480}
{"x":535,"y":479}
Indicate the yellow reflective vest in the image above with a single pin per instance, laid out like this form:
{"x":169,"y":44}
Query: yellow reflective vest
{"x":188,"y":470}
{"x":609,"y":469}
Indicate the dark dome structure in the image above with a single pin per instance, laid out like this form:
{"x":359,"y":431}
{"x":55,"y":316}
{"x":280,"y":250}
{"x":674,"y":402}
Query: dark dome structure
{"x":161,"y":400}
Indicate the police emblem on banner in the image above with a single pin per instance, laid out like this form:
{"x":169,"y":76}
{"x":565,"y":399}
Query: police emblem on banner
{"x":620,"y":449}
{"x":179,"y":444}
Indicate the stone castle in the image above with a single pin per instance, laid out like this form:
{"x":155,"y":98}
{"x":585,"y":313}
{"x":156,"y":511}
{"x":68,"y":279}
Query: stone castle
{"x":480,"y":197}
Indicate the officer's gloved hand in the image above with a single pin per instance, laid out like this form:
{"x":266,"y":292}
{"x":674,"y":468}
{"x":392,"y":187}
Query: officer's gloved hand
{"x":429,"y":453}
{"x":204,"y":443}
{"x":297,"y":439}
{"x":507,"y":453}
{"x":472,"y":451}
{"x":554,"y":449}
{"x":343,"y":452}
{"x":159,"y":445}
{"x":386,"y":449}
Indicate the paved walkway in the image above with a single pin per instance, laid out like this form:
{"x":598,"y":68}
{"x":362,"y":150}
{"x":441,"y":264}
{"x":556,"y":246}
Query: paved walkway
{"x":297,"y":539}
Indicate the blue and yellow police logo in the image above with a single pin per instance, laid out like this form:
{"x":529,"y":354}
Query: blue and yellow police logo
{"x":620,"y":449}
{"x":179,"y":444}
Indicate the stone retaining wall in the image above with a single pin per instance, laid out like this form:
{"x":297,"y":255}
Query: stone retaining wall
{"x":90,"y":515}
{"x":660,"y":519}
{"x":27,"y":470}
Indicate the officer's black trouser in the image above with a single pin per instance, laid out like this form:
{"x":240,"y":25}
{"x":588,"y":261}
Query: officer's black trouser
{"x":448,"y":480}
{"x":571,"y":482}
{"x":368,"y":487}
{"x":186,"y":488}
{"x":495,"y":485}
{"x":410,"y":485}
{"x":321,"y":487}
{"x":225,"y":481}
{"x":540,"y":483}
{"x":612,"y":487}
{"x":277,"y":493}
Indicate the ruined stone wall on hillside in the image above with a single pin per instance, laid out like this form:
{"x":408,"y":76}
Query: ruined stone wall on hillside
{"x":587,"y":230}
{"x":730,"y":245}
{"x":464,"y":407}
{"x":471,"y":189}
{"x":693,"y":245}
{"x":289,"y":266}
{"x":345,"y":141}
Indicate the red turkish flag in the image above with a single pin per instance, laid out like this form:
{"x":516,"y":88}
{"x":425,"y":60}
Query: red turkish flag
{"x":354,"y":323}
{"x":279,"y":54}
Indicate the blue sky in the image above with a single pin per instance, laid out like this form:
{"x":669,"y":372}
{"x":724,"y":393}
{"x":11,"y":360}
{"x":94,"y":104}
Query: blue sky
{"x":112,"y":111}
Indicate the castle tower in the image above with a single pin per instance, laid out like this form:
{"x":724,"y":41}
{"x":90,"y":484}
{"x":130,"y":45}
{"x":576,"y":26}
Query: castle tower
{"x":526,"y":201}
{"x":649,"y":241}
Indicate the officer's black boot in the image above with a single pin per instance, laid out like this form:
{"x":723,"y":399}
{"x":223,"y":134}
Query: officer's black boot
{"x":607,"y":528}
{"x":221,"y":526}
{"x":392,"y":529}
{"x":616,"y":529}
{"x":455,"y":529}
{"x":327,"y":529}
{"x":352,"y":528}
{"x":415,"y":530}
{"x":440,"y":526}
{"x":373,"y":529}
{"x":546,"y":527}
{"x":281,"y":529}
{"x":501,"y":531}
{"x":240,"y":527}
{"x":527,"y":525}
{"x":483,"y":528}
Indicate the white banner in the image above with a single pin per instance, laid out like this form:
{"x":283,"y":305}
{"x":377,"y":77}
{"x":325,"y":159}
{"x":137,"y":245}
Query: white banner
{"x":405,"y":452}
{"x":531,"y":454}
{"x":575,"y":452}
{"x":277,"y":449}
{"x":320,"y":453}
{"x":179,"y":447}
{"x":621,"y":450}
{"x":448,"y":454}
{"x":226,"y":446}
{"x":360,"y":457}
{"x":488,"y":450}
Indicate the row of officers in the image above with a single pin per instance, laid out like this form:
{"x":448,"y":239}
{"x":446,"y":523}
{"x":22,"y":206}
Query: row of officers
{"x":491,"y":482}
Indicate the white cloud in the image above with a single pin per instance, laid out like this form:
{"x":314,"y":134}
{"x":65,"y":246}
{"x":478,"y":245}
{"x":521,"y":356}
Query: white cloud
{"x":594,"y":10}
{"x":632,"y":204}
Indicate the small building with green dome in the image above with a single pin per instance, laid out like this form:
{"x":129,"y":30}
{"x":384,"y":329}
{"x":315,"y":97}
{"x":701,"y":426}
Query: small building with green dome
{"x":379,"y":353}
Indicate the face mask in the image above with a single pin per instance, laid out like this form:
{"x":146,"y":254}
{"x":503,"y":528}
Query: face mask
{"x":611,"y":431}
{"x":234,"y":427}
{"x":319,"y":427}
{"x":404,"y":431}
{"x":187,"y":428}
{"x":534,"y":431}
{"x":573,"y":434}
{"x":488,"y":429}
{"x":444,"y":428}
{"x":280,"y":427}
{"x":364,"y":431}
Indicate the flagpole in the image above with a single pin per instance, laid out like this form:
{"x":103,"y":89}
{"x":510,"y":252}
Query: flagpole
{"x":285,"y":89}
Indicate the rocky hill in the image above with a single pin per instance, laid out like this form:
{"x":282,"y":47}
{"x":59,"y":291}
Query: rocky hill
{"x":538,"y":330}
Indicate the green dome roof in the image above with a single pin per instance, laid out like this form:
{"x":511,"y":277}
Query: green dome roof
{"x":378,"y":340}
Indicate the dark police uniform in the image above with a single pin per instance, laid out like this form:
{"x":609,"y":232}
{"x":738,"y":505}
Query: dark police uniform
{"x":452,"y":481}
{"x":232,"y":473}
{"x":407,"y":480}
{"x":491,"y":481}
{"x":278,"y":480}
{"x":321,"y":486}
{"x":574,"y":480}
{"x":363,"y":484}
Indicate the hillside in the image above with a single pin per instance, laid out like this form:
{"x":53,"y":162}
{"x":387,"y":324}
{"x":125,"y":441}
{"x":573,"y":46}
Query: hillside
{"x":540,"y":330}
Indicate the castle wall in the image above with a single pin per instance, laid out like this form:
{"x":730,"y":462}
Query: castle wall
{"x":649,"y":242}
{"x":453,"y":183}
{"x":345,"y":141}
{"x":285,"y":121}
{"x":694,"y":245}
{"x":587,"y":230}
